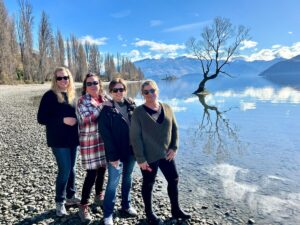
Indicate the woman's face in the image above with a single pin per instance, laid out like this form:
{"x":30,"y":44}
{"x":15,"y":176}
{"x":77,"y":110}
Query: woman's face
{"x":62,"y":80}
{"x":150,"y":94}
{"x":93,"y":86}
{"x":118,"y":92}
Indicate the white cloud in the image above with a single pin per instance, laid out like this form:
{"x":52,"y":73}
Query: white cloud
{"x":157,"y":56}
{"x":248,"y":44}
{"x":93,"y":41}
{"x":155,"y":23}
{"x":276,"y":46}
{"x":121,"y":14}
{"x":290,"y":32}
{"x":124,"y":45}
{"x":159,"y":47}
{"x":186,"y":27}
{"x":134,"y":54}
{"x":264,"y":54}
{"x":277,"y":50}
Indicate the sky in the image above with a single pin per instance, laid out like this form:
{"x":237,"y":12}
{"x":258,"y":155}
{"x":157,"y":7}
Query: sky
{"x":142,"y":29}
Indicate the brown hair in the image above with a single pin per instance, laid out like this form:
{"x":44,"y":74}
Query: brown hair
{"x":70,"y":88}
{"x":116,"y":81}
{"x":84,"y":82}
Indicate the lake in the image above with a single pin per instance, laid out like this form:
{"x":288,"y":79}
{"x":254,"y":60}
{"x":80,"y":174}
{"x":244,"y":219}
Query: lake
{"x":239,"y":145}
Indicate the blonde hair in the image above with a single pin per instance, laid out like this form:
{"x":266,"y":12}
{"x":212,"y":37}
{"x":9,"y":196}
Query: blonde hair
{"x":70,"y":88}
{"x":149,"y":82}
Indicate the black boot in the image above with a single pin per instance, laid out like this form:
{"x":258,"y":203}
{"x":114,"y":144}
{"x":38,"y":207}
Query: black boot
{"x":153,"y":219}
{"x":179,"y":214}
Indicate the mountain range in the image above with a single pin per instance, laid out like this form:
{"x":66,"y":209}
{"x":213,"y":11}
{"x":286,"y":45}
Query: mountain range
{"x":178,"y":67}
{"x":278,"y":70}
{"x":286,"y":72}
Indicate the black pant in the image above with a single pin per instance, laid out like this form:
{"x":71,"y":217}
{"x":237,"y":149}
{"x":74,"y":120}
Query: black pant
{"x":168,"y":168}
{"x":89,"y":181}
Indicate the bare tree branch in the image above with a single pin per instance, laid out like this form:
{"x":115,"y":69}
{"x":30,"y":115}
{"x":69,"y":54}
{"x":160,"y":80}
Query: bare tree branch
{"x":218,"y":43}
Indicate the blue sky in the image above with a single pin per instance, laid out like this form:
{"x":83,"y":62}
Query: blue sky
{"x":159,"y":28}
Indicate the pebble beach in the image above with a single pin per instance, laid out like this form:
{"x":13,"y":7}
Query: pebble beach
{"x":28,"y":171}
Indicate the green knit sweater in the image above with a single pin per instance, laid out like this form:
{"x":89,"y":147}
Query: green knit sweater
{"x":151,"y":140}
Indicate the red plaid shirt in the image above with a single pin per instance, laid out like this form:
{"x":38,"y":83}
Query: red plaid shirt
{"x":91,"y":144}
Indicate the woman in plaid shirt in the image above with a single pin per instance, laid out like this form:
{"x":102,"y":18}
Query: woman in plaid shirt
{"x":91,"y":144}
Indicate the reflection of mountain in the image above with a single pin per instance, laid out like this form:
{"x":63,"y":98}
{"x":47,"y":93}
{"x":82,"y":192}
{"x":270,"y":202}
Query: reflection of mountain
{"x":286,"y":72}
{"x":182,"y":65}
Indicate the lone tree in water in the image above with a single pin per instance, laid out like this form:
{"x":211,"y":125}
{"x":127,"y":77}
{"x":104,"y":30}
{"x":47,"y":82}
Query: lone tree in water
{"x":218,"y":43}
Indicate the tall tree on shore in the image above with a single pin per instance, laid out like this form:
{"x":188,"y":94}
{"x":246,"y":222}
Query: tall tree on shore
{"x":25,"y":23}
{"x":217,"y":45}
{"x":14,"y":49}
{"x":94,"y":59}
{"x":54,"y":52}
{"x":69,"y":54}
{"x":87,"y":49}
{"x":109,"y":66}
{"x":45,"y":37}
{"x":82,"y":64}
{"x":61,"y":48}
{"x":74,"y":55}
{"x":5,"y":54}
{"x":130,"y":71}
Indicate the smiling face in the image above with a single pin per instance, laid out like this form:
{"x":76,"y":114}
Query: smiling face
{"x":62,"y":80}
{"x":92,"y":86}
{"x":118,"y":92}
{"x":150,"y":93}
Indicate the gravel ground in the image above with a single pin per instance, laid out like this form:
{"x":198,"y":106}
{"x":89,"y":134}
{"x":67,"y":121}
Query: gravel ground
{"x":28,"y":171}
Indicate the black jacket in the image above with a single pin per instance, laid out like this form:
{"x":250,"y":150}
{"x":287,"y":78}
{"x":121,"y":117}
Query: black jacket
{"x":51,"y":114}
{"x":115,"y":132}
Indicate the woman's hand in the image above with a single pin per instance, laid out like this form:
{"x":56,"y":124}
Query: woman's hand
{"x":71,"y":121}
{"x":170,"y":155}
{"x":115,"y":163}
{"x":145,"y":166}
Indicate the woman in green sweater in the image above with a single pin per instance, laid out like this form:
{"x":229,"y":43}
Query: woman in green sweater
{"x":154,"y":137}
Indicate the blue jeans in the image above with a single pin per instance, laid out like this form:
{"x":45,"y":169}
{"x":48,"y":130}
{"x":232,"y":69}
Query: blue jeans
{"x":65,"y":180}
{"x":114,"y":174}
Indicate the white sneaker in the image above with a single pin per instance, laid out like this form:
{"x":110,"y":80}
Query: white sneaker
{"x":60,"y":209}
{"x":131,"y":211}
{"x":108,"y":221}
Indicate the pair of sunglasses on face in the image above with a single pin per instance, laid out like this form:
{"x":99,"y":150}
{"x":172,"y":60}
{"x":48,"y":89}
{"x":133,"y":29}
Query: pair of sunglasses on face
{"x":151,"y":91}
{"x":88,"y":84}
{"x":61,"y":78}
{"x":115,"y":90}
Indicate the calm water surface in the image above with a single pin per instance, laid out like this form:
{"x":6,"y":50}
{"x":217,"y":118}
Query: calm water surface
{"x":240,"y":143}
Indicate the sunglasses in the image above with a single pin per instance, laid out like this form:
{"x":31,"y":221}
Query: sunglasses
{"x":64,"y":77}
{"x":146,"y":92}
{"x":115,"y":90}
{"x":88,"y":84}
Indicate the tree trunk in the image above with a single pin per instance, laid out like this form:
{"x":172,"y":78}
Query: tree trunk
{"x":201,"y":86}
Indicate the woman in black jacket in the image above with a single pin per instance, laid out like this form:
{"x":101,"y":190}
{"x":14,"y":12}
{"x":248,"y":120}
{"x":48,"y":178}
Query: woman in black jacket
{"x":57,"y":113}
{"x":114,"y":123}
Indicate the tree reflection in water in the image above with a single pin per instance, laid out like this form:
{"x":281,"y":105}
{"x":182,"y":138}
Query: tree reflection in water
{"x":220,"y":138}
